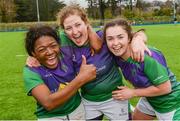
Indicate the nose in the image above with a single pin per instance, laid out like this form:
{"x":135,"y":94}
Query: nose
{"x":49,"y":51}
{"x":74,"y":31}
{"x":116,"y":41}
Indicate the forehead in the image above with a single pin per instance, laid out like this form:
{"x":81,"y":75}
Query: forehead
{"x":72,"y":19}
{"x":44,"y":41}
{"x":115,"y":30}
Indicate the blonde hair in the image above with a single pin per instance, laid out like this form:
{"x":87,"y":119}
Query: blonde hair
{"x":71,"y":10}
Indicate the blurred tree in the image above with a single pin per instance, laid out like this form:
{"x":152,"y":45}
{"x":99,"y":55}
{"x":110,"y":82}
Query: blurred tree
{"x":7,"y":10}
{"x":92,"y":9}
{"x":178,"y":6}
{"x":139,"y":4}
{"x":131,"y":5}
{"x":113,"y":5}
{"x":26,"y":10}
{"x":101,"y":10}
{"x":49,"y":9}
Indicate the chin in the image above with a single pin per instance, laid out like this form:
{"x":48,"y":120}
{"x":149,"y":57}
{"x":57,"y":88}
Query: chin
{"x":118,"y":54}
{"x":52,"y":66}
{"x":79,"y":44}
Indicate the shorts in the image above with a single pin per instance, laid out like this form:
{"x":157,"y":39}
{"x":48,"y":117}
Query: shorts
{"x":144,"y":106}
{"x":77,"y":114}
{"x":112,"y":109}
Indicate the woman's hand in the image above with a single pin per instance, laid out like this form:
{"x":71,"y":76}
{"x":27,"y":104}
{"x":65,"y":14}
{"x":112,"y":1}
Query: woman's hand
{"x":32,"y":62}
{"x":87,"y":71}
{"x":123,"y":93}
{"x":138,"y":46}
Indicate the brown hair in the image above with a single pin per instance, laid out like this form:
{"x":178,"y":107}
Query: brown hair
{"x":119,"y":22}
{"x":71,"y":10}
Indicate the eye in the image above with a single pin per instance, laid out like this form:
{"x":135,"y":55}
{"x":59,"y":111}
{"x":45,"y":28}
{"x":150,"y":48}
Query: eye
{"x":78,"y":25}
{"x":68,"y":28}
{"x":109,"y":38}
{"x":120,"y":37}
{"x":54,"y":45}
{"x":41,"y":50}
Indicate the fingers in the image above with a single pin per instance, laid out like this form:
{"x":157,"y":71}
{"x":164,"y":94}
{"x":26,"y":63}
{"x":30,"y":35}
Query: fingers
{"x":121,"y":87}
{"x":83,"y":60}
{"x":148,"y":51}
{"x":141,"y":59}
{"x":136,"y":56}
{"x":90,"y":28}
{"x":131,"y":54}
{"x":118,"y":96}
{"x":92,"y":52}
{"x":31,"y":61}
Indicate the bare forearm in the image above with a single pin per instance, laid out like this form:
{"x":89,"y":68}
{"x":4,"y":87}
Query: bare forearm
{"x":148,"y":92}
{"x":63,"y":95}
{"x":52,"y":100}
{"x":152,"y":91}
{"x":95,"y":40}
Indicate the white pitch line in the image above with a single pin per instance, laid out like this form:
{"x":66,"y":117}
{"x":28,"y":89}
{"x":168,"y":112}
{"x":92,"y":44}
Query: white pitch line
{"x":20,"y":55}
{"x":132,"y":108}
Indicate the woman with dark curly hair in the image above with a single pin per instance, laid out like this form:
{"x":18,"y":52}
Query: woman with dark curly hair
{"x":54,"y":83}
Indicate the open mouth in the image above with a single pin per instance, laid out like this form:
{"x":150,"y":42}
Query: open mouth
{"x":77,"y":38}
{"x":52,"y":60}
{"x":117,"y":49}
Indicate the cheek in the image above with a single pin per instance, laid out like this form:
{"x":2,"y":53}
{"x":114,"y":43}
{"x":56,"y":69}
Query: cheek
{"x":109,"y":45}
{"x":84,"y":29}
{"x":57,"y":50}
{"x":69,"y":34}
{"x":40,"y":58}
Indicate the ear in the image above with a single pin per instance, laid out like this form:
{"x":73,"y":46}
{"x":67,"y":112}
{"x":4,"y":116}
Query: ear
{"x":33,"y":54}
{"x":129,"y":40}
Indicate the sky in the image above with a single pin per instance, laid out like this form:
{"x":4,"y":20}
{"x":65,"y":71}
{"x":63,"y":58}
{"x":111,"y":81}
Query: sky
{"x":83,"y":3}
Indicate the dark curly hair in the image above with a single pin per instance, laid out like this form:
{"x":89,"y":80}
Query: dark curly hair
{"x":35,"y":33}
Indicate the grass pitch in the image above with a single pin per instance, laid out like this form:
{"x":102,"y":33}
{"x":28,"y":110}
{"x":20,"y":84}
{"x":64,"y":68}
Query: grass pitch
{"x":16,"y":105}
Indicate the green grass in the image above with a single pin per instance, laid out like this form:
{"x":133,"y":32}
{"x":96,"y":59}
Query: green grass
{"x":15,"y":104}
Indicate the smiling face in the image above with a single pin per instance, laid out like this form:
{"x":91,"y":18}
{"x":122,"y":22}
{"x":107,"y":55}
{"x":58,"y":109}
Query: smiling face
{"x":46,"y":51}
{"x":76,"y":29}
{"x":117,"y":41}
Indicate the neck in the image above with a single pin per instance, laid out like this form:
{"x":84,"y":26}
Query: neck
{"x":126,"y":54}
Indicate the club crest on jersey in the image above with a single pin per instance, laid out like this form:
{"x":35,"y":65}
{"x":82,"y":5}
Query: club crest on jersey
{"x":62,"y":85}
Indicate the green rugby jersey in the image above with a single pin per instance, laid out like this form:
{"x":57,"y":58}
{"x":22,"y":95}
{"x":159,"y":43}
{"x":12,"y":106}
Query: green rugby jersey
{"x":55,"y":79}
{"x":153,"y":71}
{"x":108,"y":75}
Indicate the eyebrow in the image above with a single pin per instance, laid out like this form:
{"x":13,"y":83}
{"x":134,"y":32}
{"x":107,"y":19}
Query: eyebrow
{"x":114,"y":35}
{"x":45,"y":46}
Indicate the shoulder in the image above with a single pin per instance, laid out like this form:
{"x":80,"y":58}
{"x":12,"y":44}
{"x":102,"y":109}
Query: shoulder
{"x":31,"y":79}
{"x":100,"y":33}
{"x":31,"y":73}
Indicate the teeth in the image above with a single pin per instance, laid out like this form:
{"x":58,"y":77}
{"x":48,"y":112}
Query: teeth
{"x":117,"y":48}
{"x":50,"y":58}
{"x":77,"y":37}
